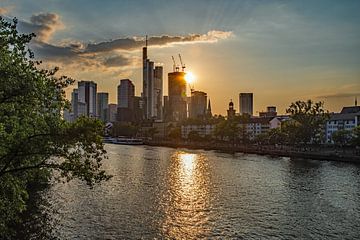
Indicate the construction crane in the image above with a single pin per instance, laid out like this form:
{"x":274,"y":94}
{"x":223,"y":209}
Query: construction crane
{"x":182,"y":65}
{"x":175,"y":67}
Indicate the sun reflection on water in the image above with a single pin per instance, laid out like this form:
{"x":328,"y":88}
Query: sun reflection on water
{"x":188,"y":198}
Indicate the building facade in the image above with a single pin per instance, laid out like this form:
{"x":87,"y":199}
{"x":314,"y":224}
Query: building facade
{"x":197,"y":106}
{"x":112,"y":112}
{"x":152,"y":88}
{"x":246,"y":103}
{"x":126,"y":98}
{"x":203,"y":130}
{"x":102,"y":106}
{"x":86,"y":98}
{"x":347,"y":119}
{"x":177,"y":107}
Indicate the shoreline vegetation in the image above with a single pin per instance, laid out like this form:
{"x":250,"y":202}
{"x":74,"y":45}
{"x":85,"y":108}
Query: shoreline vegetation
{"x":327,"y":153}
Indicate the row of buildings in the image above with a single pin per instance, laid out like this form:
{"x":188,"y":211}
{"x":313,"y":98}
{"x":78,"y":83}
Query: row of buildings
{"x":347,"y":119}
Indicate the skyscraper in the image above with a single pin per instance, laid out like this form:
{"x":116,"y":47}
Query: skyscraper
{"x":87,"y":98}
{"x":152,"y":88}
{"x":74,"y":102}
{"x":197,"y":107}
{"x":126,"y":95}
{"x":177,"y":96}
{"x":102,"y":106}
{"x":112,"y":112}
{"x":246,"y":103}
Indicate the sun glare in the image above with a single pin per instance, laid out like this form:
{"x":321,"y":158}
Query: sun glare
{"x":189,"y":77}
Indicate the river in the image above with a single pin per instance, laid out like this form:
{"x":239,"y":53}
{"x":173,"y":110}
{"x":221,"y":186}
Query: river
{"x":165,"y":193}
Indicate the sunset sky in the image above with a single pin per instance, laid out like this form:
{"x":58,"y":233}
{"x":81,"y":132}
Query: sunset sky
{"x":281,"y":51}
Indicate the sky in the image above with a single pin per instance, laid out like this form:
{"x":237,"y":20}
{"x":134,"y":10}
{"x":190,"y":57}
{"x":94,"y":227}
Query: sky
{"x":282,"y":51}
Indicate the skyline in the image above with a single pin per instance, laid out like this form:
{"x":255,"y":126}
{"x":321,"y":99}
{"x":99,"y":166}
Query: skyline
{"x":280,"y":51}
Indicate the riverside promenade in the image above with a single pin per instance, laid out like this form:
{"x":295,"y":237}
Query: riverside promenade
{"x":328,"y":153}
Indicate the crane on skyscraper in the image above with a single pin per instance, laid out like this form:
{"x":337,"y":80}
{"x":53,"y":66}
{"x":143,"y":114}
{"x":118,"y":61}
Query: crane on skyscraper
{"x":182,"y":64}
{"x":175,"y":67}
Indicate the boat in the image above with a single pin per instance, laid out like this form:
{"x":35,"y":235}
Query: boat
{"x":108,"y":139}
{"x":128,"y":141}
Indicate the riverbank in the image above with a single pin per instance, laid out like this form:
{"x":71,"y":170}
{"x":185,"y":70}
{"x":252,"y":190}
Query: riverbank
{"x":316,"y":153}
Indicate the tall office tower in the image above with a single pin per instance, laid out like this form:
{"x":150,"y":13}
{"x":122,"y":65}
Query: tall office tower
{"x":246,"y":103}
{"x":74,"y":103}
{"x":152,"y":88}
{"x":126,"y":95}
{"x":87,"y":98}
{"x":177,"y":96}
{"x":138,"y":109}
{"x":166,"y":108}
{"x":197,"y":106}
{"x":102,"y":106}
{"x":112,"y":112}
{"x":157,"y":111}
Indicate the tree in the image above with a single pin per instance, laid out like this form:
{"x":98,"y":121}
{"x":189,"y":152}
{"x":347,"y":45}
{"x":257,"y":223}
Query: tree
{"x":175,"y":133}
{"x":309,"y":121}
{"x":150,"y":133}
{"x":341,"y":137}
{"x":34,"y":139}
{"x":194,"y":136}
{"x":355,"y":141}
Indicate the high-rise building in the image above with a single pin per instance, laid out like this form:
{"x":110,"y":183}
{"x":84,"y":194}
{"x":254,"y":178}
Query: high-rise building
{"x":152,"y":88}
{"x":102,"y":106}
{"x":74,"y":103}
{"x":246,"y":103}
{"x":126,"y":95}
{"x":87,"y":98}
{"x":197,"y":107}
{"x":112,"y":112}
{"x":138,"y":109}
{"x":177,"y":110}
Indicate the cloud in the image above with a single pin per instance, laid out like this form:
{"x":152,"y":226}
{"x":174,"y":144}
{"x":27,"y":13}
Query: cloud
{"x":340,"y":95}
{"x":6,"y":10}
{"x":104,"y":60}
{"x":115,"y":53}
{"x":44,"y":25}
{"x":133,"y":43}
{"x":116,"y":61}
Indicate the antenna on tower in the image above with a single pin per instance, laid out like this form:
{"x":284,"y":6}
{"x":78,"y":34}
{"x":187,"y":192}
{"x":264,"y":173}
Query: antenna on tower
{"x":146,"y":41}
{"x":355,"y":101}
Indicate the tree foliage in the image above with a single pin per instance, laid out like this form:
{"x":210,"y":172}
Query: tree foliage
{"x":308,"y":123}
{"x":34,"y":138}
{"x":341,"y":137}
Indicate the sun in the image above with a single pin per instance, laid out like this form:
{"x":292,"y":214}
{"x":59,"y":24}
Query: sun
{"x":189,"y":77}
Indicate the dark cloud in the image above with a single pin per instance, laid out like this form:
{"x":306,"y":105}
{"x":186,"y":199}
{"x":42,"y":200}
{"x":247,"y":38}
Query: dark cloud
{"x":44,"y":25}
{"x":340,"y":95}
{"x":135,"y":43}
{"x":97,"y":56}
{"x":117,"y":61}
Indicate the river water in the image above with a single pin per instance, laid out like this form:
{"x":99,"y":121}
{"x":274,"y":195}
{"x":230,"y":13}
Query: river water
{"x":165,"y":193}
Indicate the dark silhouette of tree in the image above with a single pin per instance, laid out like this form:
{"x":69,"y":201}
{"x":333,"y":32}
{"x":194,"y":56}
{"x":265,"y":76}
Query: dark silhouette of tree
{"x":34,"y":139}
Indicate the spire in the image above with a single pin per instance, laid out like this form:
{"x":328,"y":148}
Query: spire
{"x":209,"y":113}
{"x":355,"y":101}
{"x":146,"y":41}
